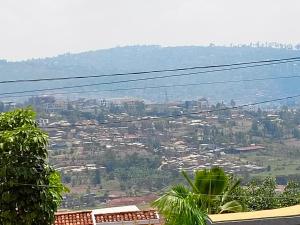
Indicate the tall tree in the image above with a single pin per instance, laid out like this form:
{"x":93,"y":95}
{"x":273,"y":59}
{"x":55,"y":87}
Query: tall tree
{"x":180,"y":206}
{"x":290,"y":195}
{"x":97,"y":177}
{"x":2,"y":107}
{"x":214,"y":187}
{"x":261,"y":195}
{"x":207,"y":193}
{"x":30,"y":189}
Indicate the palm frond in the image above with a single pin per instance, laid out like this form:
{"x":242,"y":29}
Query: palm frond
{"x":189,"y":180}
{"x":179,"y":206}
{"x":211,"y":182}
{"x":233,"y":206}
{"x":230,"y":190}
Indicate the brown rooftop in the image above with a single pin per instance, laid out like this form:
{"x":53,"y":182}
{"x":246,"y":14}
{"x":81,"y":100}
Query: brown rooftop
{"x":86,"y":217}
{"x":74,"y":218}
{"x":126,"y":216}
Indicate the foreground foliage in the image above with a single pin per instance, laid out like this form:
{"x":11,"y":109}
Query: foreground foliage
{"x":30,"y":189}
{"x":262,"y":194}
{"x":212,"y":191}
{"x":207,"y":193}
{"x":180,"y":206}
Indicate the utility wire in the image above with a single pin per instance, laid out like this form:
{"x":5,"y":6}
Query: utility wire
{"x":34,"y":185}
{"x":178,"y":115}
{"x":147,"y":78}
{"x":161,"y":86}
{"x":149,"y":71}
{"x":297,"y":197}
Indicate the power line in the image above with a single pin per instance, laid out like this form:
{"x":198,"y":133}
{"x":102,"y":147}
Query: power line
{"x":34,"y":185}
{"x":147,"y":78}
{"x":245,"y":196}
{"x":149,"y":71}
{"x":178,"y":115}
{"x":161,"y":86}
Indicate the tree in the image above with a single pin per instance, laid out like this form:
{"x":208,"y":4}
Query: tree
{"x":296,"y":133}
{"x":110,"y":160}
{"x":190,"y":205}
{"x":272,"y":128}
{"x":254,"y":128}
{"x":180,"y":206}
{"x":100,"y":117}
{"x":290,"y":195}
{"x":97,"y":177}
{"x":261,"y":195}
{"x":213,"y":185}
{"x":140,"y":108}
{"x":31,"y":190}
{"x":2,"y":107}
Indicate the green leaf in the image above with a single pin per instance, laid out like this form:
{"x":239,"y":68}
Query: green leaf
{"x":233,"y":206}
{"x":230,"y":190}
{"x":27,"y":181}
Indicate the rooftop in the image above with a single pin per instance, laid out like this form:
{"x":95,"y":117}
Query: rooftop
{"x":288,"y":216}
{"x":139,"y":217}
{"x":129,"y":208}
{"x":131,"y":215}
{"x":108,"y":216}
{"x":74,"y":218}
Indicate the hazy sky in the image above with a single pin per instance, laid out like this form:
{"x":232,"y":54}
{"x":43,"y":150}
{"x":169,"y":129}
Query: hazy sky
{"x":39,"y":28}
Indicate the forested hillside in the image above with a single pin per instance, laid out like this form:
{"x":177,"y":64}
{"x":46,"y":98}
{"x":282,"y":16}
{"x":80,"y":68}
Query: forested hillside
{"x":141,"y":58}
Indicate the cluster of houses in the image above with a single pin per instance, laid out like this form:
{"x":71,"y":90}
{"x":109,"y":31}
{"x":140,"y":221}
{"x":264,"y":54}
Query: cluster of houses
{"x":212,"y":158}
{"x":73,"y":144}
{"x":87,"y":135}
{"x":173,"y":139}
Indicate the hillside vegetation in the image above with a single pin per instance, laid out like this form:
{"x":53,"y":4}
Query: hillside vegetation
{"x":141,"y":58}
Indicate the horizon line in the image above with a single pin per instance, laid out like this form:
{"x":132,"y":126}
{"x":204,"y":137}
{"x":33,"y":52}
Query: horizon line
{"x":255,"y":44}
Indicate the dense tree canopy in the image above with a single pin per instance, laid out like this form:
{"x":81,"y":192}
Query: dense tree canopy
{"x":261,"y":194}
{"x":30,"y":189}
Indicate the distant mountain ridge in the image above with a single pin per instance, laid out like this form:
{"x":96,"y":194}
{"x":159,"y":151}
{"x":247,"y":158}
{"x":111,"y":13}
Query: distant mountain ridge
{"x":141,"y":58}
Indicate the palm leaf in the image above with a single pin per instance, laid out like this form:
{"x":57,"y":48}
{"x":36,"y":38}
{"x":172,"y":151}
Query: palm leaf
{"x":211,"y":182}
{"x":233,"y":206}
{"x":230,"y":190}
{"x":189,"y":180}
{"x":179,"y":206}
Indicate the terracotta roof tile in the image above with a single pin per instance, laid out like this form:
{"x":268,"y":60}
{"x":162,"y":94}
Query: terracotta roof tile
{"x":126,"y":216}
{"x":74,"y":218}
{"x":85,"y":217}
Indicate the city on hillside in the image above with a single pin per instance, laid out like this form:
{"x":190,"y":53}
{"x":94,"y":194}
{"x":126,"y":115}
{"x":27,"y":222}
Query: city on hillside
{"x":125,"y":151}
{"x":149,"y":112}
